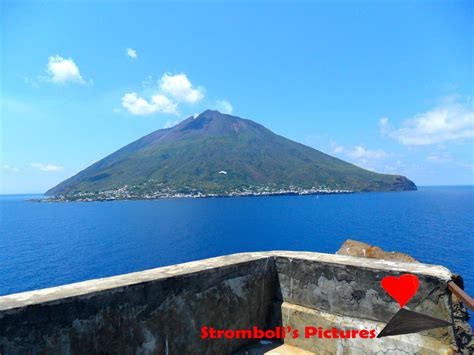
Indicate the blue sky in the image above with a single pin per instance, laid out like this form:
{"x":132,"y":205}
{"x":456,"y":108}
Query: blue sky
{"x":385,"y":85}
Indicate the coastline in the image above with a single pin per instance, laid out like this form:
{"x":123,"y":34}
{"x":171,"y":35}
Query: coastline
{"x":64,"y":198}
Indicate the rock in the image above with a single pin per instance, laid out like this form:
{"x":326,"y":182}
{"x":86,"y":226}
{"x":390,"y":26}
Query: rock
{"x":360,"y":249}
{"x":462,"y":329}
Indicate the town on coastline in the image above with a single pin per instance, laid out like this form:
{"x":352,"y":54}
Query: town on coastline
{"x":135,"y":193}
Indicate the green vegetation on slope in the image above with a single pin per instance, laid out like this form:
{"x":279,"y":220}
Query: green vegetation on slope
{"x":216,"y":153}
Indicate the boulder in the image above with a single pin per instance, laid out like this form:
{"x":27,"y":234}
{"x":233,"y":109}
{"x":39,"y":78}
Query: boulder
{"x":361,"y":249}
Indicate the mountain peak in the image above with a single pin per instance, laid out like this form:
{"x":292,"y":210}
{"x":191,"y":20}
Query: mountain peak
{"x":191,"y":155}
{"x":213,"y":115}
{"x":207,"y":115}
{"x":215,"y":123}
{"x":210,"y":113}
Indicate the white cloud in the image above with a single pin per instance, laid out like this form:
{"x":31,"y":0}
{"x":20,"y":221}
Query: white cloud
{"x":173,"y":89}
{"x":384,"y":125}
{"x":452,"y":121}
{"x":62,"y":71}
{"x":139,"y":106}
{"x":338,"y":149}
{"x":180,"y":88}
{"x":46,"y":167}
{"x":132,"y":53}
{"x":11,"y":169}
{"x":224,"y":106}
{"x":359,"y":152}
{"x":371,"y":159}
{"x":163,"y":104}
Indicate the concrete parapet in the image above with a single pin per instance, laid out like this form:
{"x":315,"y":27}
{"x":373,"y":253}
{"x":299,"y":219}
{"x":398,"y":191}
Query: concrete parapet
{"x":162,"y":311}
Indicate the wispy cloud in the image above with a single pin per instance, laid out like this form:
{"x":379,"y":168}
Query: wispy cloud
{"x":445,"y":158}
{"x":224,"y":106}
{"x":11,"y":169}
{"x":359,"y":152}
{"x":46,"y":167}
{"x":371,"y":159}
{"x":147,"y":82}
{"x":338,"y":149}
{"x":132,"y":53}
{"x":451,"y":122}
{"x":33,"y":83}
{"x":17,"y":106}
{"x":63,"y":71}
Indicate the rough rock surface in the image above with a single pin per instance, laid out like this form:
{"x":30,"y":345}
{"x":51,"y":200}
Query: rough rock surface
{"x":462,"y":329}
{"x":361,"y":249}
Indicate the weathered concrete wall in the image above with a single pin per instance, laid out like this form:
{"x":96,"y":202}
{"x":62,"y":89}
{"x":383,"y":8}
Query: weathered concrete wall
{"x":353,"y":288}
{"x":298,"y":317}
{"x":161,"y":311}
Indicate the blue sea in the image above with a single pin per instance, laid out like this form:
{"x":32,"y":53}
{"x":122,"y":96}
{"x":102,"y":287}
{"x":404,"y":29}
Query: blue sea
{"x":49,"y":244}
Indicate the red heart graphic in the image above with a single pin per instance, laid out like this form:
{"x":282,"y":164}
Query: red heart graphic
{"x":402,"y":288}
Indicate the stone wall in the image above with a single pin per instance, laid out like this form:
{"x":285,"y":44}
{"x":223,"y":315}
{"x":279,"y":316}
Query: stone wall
{"x":161,"y":311}
{"x":355,"y":290}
